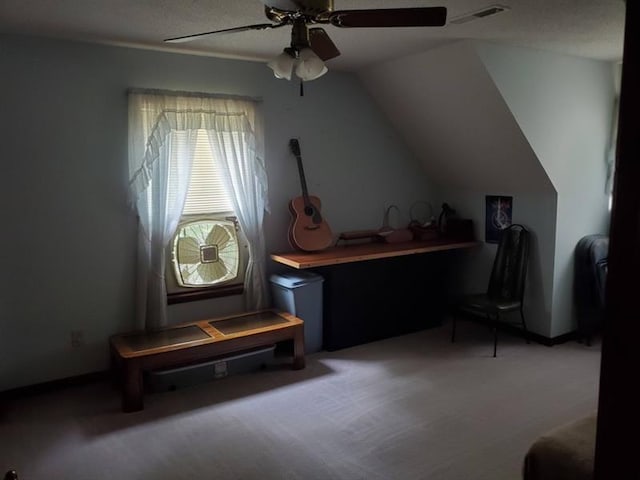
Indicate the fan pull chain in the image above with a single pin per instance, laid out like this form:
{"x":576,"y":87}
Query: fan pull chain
{"x":301,"y":88}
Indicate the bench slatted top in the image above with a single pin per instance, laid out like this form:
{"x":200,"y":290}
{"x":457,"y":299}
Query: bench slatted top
{"x":202,"y":332}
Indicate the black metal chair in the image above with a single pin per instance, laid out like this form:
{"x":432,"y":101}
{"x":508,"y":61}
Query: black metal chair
{"x":506,"y":284}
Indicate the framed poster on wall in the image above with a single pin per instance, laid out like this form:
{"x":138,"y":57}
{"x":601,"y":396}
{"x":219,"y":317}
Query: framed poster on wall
{"x":498,"y":216}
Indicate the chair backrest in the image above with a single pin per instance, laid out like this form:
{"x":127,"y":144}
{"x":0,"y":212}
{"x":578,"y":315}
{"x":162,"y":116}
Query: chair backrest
{"x":510,"y":265}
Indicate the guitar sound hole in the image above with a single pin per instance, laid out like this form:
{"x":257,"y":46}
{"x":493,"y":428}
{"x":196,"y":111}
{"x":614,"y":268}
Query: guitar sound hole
{"x":308,"y":211}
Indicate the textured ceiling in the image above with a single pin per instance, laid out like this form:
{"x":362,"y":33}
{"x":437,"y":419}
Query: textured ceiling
{"x":589,"y":28}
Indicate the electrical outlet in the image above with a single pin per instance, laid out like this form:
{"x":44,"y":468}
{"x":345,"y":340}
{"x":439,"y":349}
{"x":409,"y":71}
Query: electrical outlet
{"x":77,"y":338}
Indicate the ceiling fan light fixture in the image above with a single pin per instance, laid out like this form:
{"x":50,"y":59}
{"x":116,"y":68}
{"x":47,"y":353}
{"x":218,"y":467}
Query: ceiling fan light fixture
{"x":309,"y":65}
{"x":311,"y":47}
{"x":282,"y":65}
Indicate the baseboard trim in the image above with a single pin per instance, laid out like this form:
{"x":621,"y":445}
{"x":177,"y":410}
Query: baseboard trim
{"x":517,"y":331}
{"x":101,"y":376}
{"x":550,"y":342}
{"x":46,"y":387}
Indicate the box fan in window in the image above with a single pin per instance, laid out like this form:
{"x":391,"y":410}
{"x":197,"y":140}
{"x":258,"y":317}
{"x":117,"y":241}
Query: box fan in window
{"x":208,"y":252}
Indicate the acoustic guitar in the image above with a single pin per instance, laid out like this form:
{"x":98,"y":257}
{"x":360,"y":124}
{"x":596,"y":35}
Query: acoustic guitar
{"x":308,"y":230}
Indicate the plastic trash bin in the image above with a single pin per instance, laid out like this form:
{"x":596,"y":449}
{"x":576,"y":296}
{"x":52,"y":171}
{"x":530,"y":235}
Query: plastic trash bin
{"x":300,"y":294}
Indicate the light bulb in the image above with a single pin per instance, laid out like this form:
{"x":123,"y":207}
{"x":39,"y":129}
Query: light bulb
{"x":309,"y":65}
{"x":282,"y":65}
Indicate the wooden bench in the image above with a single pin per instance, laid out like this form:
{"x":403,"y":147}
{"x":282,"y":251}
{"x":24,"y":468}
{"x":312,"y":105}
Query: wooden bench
{"x":194,"y":342}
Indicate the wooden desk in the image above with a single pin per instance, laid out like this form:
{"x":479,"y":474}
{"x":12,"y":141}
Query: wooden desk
{"x":378,"y":290}
{"x":195,"y":342}
{"x":365,"y":251}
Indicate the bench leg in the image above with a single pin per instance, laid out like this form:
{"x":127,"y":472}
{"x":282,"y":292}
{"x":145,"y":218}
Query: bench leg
{"x":132,"y":400}
{"x":298,"y":348}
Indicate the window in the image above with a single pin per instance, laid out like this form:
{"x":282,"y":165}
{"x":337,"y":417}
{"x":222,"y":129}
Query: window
{"x":208,"y":148}
{"x":208,"y":251}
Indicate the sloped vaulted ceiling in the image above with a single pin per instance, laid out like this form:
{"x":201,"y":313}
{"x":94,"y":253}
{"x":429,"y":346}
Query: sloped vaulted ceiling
{"x":453,"y":117}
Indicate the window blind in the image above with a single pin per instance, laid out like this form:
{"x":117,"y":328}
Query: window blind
{"x":207,"y":191}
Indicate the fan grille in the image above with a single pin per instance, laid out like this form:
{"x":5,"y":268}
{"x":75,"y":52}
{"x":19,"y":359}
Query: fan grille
{"x":205,"y":253}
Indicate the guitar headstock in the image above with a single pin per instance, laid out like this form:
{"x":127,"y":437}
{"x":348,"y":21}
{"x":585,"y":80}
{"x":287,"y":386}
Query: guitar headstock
{"x":294,"y":145}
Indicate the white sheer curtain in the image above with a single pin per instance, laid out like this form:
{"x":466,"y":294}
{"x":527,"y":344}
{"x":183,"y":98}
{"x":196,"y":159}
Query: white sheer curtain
{"x":248,"y":193}
{"x":159,"y":182}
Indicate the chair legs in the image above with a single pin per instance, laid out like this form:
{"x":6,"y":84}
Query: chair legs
{"x":524,"y":326}
{"x":495,"y":334}
{"x":494,"y":326}
{"x":495,"y":331}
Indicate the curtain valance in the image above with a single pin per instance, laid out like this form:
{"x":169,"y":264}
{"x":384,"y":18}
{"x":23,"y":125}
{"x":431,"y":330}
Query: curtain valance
{"x":154,"y":115}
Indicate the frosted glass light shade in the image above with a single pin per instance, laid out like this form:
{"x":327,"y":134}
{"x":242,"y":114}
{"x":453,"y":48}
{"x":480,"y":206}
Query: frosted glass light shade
{"x":309,"y":66}
{"x":282,"y":65}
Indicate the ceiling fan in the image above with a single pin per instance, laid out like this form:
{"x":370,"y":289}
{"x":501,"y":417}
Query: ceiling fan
{"x":310,"y":47}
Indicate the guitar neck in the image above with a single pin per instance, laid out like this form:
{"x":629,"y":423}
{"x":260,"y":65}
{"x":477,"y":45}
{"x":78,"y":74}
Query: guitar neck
{"x":294,"y":145}
{"x":303,"y":181}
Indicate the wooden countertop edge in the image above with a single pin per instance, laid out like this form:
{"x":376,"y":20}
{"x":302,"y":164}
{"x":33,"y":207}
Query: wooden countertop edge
{"x":285,"y":258}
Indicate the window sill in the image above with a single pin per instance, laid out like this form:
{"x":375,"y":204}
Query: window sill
{"x":204,"y":294}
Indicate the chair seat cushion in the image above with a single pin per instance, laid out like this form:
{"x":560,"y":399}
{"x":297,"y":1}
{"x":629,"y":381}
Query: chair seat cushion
{"x":487,"y":304}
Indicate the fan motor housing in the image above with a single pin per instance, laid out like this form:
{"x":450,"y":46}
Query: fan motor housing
{"x":277,"y":9}
{"x":317,"y":7}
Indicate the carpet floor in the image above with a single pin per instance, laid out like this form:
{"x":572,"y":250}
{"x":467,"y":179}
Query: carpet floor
{"x":409,"y":407}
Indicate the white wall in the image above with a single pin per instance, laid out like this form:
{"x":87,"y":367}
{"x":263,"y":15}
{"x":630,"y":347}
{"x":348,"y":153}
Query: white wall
{"x":457,"y":123}
{"x":563,"y":105}
{"x":68,"y":237}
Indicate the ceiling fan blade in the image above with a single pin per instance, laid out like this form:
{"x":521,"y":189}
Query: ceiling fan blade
{"x":290,"y":5}
{"x":259,"y":26}
{"x":390,"y":17}
{"x":322,"y":45}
